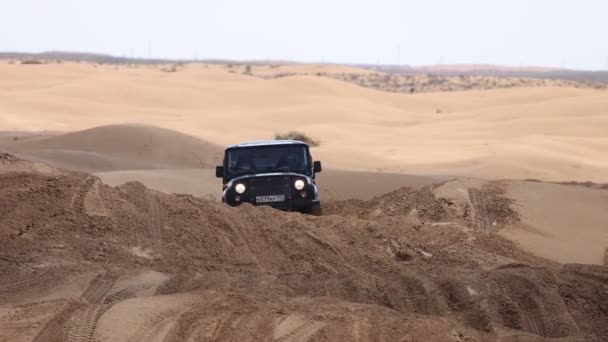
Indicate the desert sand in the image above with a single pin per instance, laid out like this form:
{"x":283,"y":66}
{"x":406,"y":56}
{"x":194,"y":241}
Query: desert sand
{"x":83,"y":261}
{"x":552,"y":134}
{"x":430,"y":231}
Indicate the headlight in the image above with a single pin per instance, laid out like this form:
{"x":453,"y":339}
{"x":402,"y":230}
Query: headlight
{"x":299,"y":184}
{"x":240,"y":188}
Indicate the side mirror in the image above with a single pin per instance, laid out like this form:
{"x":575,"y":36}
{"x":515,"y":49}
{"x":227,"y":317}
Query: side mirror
{"x":219,"y":171}
{"x":317,"y":167}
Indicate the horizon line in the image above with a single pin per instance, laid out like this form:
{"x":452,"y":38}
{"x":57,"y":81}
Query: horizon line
{"x":479,"y":66}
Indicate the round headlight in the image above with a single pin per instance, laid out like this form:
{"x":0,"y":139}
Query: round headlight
{"x":299,"y":184}
{"x":240,"y":188}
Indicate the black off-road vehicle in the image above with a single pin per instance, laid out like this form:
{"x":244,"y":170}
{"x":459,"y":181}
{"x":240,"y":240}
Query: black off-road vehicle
{"x":278,"y":173}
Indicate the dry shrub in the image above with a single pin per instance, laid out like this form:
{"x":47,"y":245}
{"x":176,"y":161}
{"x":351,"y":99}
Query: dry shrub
{"x":295,"y":135}
{"x":31,"y":61}
{"x":171,"y":68}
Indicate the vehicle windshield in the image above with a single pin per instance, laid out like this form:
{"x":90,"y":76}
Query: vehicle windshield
{"x":267,"y":159}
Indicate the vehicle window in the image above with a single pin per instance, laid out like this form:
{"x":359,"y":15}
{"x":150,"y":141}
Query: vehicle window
{"x":267,"y":159}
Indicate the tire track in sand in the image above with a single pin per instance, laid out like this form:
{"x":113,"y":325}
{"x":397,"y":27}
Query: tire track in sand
{"x":536,"y":326}
{"x":98,"y":288}
{"x":154,"y":220}
{"x":93,"y":203}
{"x":126,"y":293}
{"x":54,"y":330}
{"x":480,"y":211}
{"x":302,"y":332}
{"x":81,"y":326}
{"x":79,"y":191}
{"x":77,"y":321}
{"x":27,"y":282}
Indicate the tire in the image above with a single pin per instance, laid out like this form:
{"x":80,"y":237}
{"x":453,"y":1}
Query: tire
{"x":316,"y":210}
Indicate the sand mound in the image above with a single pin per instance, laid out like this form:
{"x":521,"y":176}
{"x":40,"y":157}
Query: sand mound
{"x":80,"y":258}
{"x":334,"y":184}
{"x":120,"y":147}
{"x":12,"y":164}
{"x":564,"y":223}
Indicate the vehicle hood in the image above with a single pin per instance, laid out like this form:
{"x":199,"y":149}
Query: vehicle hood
{"x":271,"y":174}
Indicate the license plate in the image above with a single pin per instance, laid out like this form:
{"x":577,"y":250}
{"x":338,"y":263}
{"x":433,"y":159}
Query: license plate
{"x":270,"y":198}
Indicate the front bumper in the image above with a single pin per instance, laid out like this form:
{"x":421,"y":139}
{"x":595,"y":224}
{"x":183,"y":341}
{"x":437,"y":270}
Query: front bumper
{"x":290,"y":204}
{"x":282,"y":186}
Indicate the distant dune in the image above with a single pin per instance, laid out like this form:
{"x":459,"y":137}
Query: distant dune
{"x":546,"y":133}
{"x":120,"y":147}
{"x":467,"y":68}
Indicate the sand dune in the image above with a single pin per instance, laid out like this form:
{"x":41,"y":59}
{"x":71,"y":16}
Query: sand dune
{"x":452,"y":78}
{"x":119,"y":147}
{"x":568,"y":224}
{"x":172,"y":162}
{"x":477,"y":67}
{"x":563,"y":223}
{"x":290,"y":68}
{"x":556,"y":134}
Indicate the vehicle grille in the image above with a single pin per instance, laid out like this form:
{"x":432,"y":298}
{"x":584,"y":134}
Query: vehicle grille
{"x":273,"y":185}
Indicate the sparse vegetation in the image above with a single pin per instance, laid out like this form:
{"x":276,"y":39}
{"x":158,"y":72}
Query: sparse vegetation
{"x":418,"y":83}
{"x":247,"y":69}
{"x":296,"y":135}
{"x":171,"y":68}
{"x":32,"y":61}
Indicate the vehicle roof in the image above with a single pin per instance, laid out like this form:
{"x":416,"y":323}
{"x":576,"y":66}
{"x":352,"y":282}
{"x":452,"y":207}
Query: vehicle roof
{"x":267,"y":143}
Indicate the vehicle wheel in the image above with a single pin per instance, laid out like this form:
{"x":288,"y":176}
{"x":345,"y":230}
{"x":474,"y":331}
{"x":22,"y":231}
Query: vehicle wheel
{"x":316,"y":210}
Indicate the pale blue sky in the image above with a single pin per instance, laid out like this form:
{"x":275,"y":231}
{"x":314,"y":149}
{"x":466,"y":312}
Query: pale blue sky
{"x":562,"y":33}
